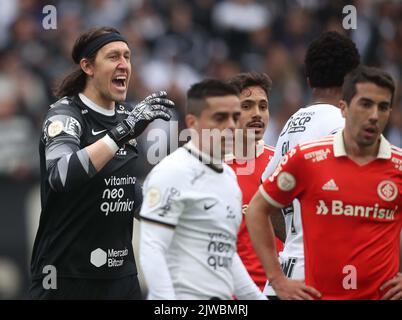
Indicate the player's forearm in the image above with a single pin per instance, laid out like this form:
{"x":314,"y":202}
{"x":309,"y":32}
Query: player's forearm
{"x":262,"y":236}
{"x":101,"y":152}
{"x":70,"y":167}
{"x":245,"y":288}
{"x":156,"y":274}
{"x":278,"y":223}
{"x":154,"y":241}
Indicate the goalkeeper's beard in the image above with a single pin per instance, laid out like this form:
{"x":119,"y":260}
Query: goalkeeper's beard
{"x":115,"y":95}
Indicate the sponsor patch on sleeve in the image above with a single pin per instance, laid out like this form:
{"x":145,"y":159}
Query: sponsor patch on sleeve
{"x":153,"y":197}
{"x":57,"y":124}
{"x":286,"y":181}
{"x":55,"y":128}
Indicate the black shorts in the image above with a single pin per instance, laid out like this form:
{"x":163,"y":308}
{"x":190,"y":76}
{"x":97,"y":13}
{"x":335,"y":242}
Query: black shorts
{"x":127,"y":288}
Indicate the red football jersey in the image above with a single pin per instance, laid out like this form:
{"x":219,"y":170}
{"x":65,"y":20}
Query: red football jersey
{"x":351,"y":215}
{"x":249,"y":178}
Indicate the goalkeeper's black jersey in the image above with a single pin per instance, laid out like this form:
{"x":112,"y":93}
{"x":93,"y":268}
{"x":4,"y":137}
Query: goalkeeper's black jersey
{"x":86,"y":221}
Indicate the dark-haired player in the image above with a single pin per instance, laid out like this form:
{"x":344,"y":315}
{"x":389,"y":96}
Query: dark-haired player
{"x":250,"y":159}
{"x":89,"y":190}
{"x":192,"y":208}
{"x":328,"y":59}
{"x":350,"y":190}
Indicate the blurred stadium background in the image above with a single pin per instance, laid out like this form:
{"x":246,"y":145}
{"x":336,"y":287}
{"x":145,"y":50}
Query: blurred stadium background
{"x":174,"y":44}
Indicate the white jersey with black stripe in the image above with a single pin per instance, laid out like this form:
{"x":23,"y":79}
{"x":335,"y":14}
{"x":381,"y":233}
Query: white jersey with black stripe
{"x":307,"y":123}
{"x":203,"y":205}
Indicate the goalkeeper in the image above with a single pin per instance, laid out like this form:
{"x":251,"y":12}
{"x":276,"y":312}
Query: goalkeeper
{"x":89,"y":190}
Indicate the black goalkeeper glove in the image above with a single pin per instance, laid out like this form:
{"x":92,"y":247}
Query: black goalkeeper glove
{"x":155,"y":106}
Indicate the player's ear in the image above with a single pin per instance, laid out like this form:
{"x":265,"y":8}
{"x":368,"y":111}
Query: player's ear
{"x":192,"y":125}
{"x":87,"y":67}
{"x":344,"y":107}
{"x":191,"y":121}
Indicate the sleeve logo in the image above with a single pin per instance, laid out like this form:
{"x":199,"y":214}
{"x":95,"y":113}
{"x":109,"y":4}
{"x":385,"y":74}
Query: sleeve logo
{"x":286,"y":181}
{"x":55,"y":128}
{"x":153,"y":197}
{"x":387,"y":190}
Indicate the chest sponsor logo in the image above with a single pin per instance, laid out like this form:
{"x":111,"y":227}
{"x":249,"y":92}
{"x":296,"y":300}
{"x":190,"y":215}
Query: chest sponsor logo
{"x":338,"y":208}
{"x":387,"y":190}
{"x":221,"y":247}
{"x":113,"y":258}
{"x":114,"y":198}
{"x":318,"y":155}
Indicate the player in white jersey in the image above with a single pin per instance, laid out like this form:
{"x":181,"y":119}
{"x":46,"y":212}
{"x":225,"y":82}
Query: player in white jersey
{"x":192,"y":208}
{"x":328,"y":59}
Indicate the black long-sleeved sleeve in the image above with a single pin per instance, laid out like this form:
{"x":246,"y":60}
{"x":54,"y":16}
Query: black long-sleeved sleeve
{"x":68,"y":165}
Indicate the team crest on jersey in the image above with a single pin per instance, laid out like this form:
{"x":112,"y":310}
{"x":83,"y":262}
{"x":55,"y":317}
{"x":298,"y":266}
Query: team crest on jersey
{"x":286,"y":181}
{"x":153,"y":197}
{"x":55,"y":128}
{"x":387,"y":190}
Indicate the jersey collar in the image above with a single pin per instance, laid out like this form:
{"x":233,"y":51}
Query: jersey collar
{"x":259,"y":150}
{"x":92,"y":105}
{"x":384,"y":152}
{"x":203,"y":157}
